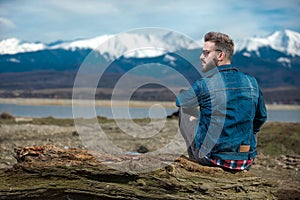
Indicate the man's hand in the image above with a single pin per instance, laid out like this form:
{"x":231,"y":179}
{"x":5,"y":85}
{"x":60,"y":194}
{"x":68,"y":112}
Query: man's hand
{"x":192,"y":118}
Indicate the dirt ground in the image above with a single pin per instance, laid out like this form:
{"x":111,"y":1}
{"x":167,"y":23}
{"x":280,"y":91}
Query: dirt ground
{"x":278,"y":144}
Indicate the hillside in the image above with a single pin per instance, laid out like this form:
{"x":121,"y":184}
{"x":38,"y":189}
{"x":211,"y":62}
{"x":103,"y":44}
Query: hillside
{"x":38,"y":70}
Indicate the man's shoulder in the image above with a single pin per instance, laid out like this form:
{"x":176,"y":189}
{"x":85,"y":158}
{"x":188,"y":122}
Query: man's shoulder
{"x":249,"y":77}
{"x":246,"y":75}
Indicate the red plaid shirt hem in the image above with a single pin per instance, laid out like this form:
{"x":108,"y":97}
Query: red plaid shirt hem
{"x":232,"y":164}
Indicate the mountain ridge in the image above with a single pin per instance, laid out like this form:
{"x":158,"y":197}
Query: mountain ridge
{"x":286,"y":41}
{"x":56,"y":65}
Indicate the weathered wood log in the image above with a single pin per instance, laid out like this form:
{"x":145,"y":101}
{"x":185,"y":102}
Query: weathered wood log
{"x":51,"y":172}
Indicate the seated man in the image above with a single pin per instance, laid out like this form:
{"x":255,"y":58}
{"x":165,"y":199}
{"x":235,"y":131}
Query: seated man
{"x":221,"y":113}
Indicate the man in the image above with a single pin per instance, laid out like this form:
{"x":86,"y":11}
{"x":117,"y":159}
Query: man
{"x":221,"y":113}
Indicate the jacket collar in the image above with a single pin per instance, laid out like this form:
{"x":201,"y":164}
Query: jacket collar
{"x":221,"y":68}
{"x":227,"y":68}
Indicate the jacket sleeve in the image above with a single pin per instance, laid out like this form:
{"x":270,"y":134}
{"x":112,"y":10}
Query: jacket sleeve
{"x":188,"y":101}
{"x":260,"y":114}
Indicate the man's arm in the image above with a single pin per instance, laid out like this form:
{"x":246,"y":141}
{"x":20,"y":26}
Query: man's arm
{"x":260,"y":114}
{"x":188,"y":102}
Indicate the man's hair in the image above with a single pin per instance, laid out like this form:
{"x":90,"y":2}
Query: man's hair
{"x":222,"y":42}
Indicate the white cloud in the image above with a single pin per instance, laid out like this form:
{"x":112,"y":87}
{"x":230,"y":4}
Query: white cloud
{"x":71,"y":19}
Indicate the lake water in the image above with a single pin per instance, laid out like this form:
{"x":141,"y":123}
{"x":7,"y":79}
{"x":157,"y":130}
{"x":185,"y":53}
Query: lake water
{"x":66,"y":112}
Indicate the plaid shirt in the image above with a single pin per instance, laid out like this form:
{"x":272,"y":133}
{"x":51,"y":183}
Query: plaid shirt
{"x":231,"y":164}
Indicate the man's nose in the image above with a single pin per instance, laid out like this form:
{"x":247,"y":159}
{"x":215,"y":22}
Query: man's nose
{"x":201,"y":56}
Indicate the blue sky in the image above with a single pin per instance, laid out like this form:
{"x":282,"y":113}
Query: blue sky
{"x":48,"y":21}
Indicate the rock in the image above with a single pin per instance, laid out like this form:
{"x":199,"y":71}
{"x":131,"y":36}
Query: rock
{"x":23,"y":119}
{"x":142,"y":149}
{"x":51,"y":172}
{"x":6,"y":116}
{"x":174,"y":115}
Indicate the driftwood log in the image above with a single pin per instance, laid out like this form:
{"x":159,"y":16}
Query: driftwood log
{"x":50,"y":172}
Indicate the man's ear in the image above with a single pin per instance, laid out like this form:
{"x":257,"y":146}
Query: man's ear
{"x":221,"y":56}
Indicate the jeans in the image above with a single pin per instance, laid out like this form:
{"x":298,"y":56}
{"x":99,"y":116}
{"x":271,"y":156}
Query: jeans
{"x":187,"y":125}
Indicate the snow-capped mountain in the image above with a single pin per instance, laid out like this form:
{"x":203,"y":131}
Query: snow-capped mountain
{"x":274,"y":60}
{"x":14,"y":46}
{"x":149,"y":45}
{"x":113,"y":46}
{"x":92,"y":43}
{"x":285,"y":41}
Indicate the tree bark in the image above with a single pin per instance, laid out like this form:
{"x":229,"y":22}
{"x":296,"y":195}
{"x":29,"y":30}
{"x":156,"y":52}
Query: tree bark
{"x":51,"y":172}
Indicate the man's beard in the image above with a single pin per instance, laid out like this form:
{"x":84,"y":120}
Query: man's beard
{"x":211,"y":65}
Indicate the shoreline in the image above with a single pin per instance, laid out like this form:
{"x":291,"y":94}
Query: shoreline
{"x":70,"y":102}
{"x":119,"y":103}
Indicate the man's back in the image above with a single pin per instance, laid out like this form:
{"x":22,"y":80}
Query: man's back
{"x":237,"y":101}
{"x":231,"y":110}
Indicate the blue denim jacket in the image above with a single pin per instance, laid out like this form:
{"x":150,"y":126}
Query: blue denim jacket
{"x":232,"y":110}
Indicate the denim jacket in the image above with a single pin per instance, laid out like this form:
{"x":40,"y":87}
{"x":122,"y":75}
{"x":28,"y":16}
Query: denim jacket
{"x":232,"y":110}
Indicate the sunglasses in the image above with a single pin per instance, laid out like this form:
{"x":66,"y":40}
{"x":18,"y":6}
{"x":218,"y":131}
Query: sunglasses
{"x":207,"y":52}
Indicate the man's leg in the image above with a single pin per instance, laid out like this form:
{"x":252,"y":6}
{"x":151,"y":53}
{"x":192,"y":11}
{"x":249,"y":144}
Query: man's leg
{"x":187,"y":125}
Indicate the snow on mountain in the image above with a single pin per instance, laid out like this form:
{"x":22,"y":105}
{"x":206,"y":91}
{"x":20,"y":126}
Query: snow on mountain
{"x":171,"y":59}
{"x":150,"y":45}
{"x":286,"y":62}
{"x":81,"y":44}
{"x":14,"y":46}
{"x":113,"y":46}
{"x":285,"y":41}
{"x":144,"y":45}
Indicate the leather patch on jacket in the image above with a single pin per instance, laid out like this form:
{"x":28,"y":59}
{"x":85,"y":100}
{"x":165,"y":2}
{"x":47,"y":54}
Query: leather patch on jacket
{"x":244,"y":148}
